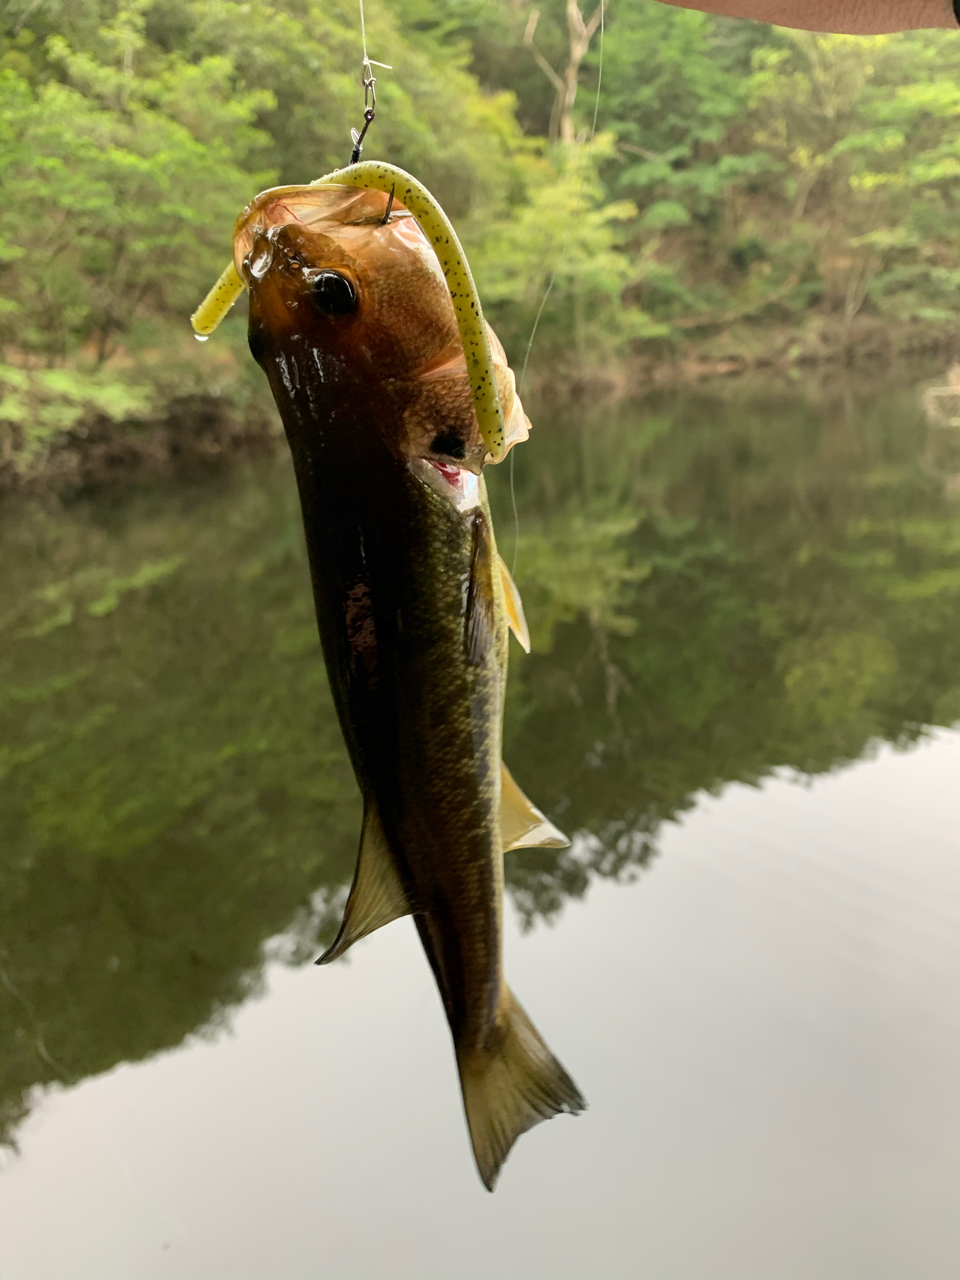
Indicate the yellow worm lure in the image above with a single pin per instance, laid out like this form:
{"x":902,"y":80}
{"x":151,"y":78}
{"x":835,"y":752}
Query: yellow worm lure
{"x":217,"y":302}
{"x":373,"y":175}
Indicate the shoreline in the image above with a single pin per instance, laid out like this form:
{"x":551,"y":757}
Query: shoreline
{"x":203,"y":427}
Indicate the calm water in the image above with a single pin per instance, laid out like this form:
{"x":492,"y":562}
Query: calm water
{"x":745,"y":606}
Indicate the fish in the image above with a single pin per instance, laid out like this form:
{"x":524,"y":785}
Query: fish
{"x":351,"y":319}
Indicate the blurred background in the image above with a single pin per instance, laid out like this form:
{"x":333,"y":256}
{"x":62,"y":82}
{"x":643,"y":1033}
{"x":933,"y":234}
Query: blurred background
{"x":737,"y":535}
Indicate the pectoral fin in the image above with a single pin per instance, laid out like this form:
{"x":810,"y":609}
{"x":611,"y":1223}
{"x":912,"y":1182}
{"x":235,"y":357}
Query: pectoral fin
{"x":376,"y":896}
{"x":479,"y":620}
{"x":522,"y":825}
{"x":515,"y":615}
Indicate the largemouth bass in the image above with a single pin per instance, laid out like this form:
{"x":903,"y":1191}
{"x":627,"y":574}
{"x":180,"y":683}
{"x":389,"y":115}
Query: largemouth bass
{"x":351,"y":320}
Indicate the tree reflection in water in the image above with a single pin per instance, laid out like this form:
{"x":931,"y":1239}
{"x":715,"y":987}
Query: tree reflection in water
{"x":720,"y":582}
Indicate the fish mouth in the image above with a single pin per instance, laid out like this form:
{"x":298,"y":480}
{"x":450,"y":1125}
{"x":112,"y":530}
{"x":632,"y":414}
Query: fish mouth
{"x":455,"y":484}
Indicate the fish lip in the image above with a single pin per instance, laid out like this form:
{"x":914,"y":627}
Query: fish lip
{"x":464,"y":496}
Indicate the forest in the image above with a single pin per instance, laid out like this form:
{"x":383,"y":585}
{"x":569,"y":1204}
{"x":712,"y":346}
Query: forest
{"x":734,"y":195}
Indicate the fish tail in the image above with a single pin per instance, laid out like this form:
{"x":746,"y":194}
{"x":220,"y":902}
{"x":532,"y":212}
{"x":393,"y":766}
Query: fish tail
{"x":509,"y":1090}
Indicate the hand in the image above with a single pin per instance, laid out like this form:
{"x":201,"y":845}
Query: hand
{"x":851,"y":17}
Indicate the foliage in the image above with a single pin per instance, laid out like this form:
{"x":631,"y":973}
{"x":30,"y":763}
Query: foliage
{"x":565,"y":244}
{"x":132,"y":134}
{"x":752,"y":190}
{"x":872,"y":127}
{"x":782,"y":174}
{"x":39,"y":406}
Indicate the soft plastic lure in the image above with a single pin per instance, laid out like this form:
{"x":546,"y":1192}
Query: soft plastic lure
{"x":377,"y":176}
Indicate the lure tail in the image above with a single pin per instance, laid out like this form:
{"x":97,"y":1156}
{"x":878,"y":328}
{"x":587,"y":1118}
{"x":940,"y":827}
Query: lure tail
{"x":511,"y":1089}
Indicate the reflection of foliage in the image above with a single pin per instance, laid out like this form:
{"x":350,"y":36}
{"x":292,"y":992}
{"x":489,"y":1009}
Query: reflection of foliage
{"x":720,"y":584}
{"x":177,"y":789}
{"x":579,"y":564}
{"x":795,"y":596}
{"x":832,"y":677}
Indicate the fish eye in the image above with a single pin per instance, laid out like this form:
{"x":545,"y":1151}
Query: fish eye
{"x":334,"y":294}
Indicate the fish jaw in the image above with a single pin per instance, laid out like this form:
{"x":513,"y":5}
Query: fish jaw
{"x":457,"y":485}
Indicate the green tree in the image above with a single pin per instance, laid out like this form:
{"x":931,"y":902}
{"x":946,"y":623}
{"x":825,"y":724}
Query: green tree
{"x":753,"y":193}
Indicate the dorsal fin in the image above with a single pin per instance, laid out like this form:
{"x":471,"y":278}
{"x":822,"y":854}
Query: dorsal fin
{"x":515,"y":614}
{"x":376,"y":895}
{"x":522,"y":825}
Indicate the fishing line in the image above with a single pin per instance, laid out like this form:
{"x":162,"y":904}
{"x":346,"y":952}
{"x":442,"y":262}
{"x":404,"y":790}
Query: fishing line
{"x":550,"y":283}
{"x":369,"y":82}
{"x":363,"y":32}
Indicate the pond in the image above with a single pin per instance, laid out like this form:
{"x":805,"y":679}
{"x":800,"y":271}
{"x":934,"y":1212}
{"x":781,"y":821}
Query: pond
{"x":744,"y":602}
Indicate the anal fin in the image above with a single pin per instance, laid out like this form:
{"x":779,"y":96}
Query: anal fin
{"x":376,"y":895}
{"x":522,"y":825}
{"x":515,"y":614}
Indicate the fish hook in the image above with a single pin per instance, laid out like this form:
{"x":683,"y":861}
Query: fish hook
{"x":386,"y":216}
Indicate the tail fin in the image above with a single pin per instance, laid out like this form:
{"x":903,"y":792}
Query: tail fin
{"x":508,"y":1092}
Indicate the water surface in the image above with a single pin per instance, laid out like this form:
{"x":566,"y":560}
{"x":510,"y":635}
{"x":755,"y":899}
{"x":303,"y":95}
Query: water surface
{"x":745,"y":607}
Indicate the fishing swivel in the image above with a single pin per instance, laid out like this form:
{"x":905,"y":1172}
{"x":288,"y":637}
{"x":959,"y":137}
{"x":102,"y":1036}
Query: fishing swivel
{"x":369,"y":82}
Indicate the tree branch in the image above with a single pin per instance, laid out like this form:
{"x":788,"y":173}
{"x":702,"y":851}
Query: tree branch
{"x":591,"y":27}
{"x":538,"y":57}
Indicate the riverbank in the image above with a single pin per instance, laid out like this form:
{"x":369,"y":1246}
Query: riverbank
{"x":209,"y":402}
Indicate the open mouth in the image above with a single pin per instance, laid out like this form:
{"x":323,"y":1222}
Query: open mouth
{"x":456,"y":484}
